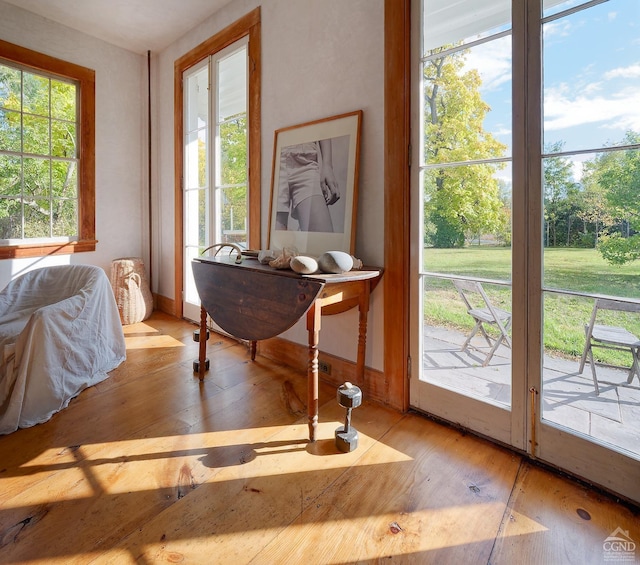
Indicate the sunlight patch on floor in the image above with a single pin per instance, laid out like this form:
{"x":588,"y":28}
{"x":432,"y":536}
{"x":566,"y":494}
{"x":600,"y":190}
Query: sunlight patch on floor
{"x":151,"y":342}
{"x":122,"y":467}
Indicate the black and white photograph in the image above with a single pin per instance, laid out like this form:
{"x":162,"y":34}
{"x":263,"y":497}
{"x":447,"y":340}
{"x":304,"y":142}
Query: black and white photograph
{"x":314,"y":185}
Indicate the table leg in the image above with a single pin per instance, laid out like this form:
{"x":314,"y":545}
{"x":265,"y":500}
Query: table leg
{"x":363,"y":310}
{"x":252,"y":349}
{"x":313,"y":327}
{"x":202,"y":343}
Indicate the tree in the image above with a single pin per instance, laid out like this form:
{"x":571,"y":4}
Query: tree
{"x":594,"y":208}
{"x":459,"y":200}
{"x":233,"y":139}
{"x":618,"y":175}
{"x":231,"y":180}
{"x":560,"y":196}
{"x":504,"y":230}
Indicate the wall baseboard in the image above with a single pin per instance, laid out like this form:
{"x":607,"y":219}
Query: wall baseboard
{"x":295,"y":355}
{"x":164,"y":304}
{"x":375,"y":386}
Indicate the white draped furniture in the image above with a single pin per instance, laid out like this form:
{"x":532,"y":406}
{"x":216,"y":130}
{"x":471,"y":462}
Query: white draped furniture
{"x":60,"y":332}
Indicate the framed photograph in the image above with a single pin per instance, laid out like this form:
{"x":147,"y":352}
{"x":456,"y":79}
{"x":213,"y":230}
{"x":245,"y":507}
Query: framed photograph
{"x":314,"y":185}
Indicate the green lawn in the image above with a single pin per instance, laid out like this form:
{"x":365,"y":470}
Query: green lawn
{"x":577,"y":270}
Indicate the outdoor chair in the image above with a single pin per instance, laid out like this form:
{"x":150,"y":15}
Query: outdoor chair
{"x":480,"y":308}
{"x":611,"y":337}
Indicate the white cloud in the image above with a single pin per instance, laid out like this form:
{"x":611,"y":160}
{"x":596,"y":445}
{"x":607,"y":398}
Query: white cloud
{"x":632,"y":71}
{"x":592,"y":88}
{"x":502,"y":131}
{"x":577,"y":165}
{"x":493,"y":62}
{"x":560,"y":28}
{"x":563,"y":109}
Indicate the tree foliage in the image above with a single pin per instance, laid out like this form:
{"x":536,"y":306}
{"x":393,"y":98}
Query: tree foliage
{"x":464,"y":201}
{"x":560,"y":195}
{"x":233,"y":139}
{"x":38,"y":156}
{"x":460,"y":201}
{"x":230,"y":182}
{"x":617,"y":173}
{"x":594,"y":209}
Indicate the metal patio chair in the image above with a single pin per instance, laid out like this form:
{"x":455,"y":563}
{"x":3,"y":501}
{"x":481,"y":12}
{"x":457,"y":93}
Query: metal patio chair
{"x":480,"y":308}
{"x":611,"y":337}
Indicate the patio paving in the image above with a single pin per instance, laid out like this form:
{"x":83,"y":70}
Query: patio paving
{"x":568,"y":398}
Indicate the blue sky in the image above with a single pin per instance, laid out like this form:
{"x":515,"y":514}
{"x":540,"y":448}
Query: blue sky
{"x":591,"y":77}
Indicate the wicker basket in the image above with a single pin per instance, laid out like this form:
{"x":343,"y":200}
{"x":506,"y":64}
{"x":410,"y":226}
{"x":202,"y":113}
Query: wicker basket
{"x":131,"y":290}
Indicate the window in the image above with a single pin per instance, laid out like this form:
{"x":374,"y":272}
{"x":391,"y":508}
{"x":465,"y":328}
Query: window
{"x":47,"y":177}
{"x":217,"y":147}
{"x":215,"y":158}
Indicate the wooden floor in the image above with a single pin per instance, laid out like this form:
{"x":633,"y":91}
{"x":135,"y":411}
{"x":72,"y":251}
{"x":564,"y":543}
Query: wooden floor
{"x":151,"y":466}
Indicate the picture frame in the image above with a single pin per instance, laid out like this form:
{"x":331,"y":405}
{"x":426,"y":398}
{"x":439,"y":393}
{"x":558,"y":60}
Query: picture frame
{"x":314,"y":185}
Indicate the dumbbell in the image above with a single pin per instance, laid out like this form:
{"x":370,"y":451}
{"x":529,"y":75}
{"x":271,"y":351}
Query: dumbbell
{"x":196,"y":362}
{"x":349,"y":396}
{"x":196,"y":335}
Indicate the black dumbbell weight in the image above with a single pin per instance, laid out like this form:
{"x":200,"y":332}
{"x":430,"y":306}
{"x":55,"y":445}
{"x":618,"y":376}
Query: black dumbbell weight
{"x":349,"y":396}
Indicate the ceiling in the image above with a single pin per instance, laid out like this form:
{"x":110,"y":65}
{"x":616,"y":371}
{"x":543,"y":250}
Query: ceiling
{"x":136,"y":25}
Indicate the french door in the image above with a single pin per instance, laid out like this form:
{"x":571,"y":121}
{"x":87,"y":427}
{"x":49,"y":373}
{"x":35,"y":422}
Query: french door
{"x":215,"y":187}
{"x":463,"y":201}
{"x":526,"y":189}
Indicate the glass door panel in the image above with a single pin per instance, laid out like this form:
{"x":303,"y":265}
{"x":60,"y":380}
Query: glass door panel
{"x":215,"y":159}
{"x":196,"y":179}
{"x":571,"y":282}
{"x":590,"y":402}
{"x":463,"y":202}
{"x":231,"y":148}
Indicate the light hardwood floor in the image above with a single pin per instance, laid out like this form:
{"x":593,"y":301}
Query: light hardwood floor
{"x":151,"y":466}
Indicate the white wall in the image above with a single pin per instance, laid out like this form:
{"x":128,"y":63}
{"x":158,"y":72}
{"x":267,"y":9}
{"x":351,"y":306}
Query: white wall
{"x":319,"y":58}
{"x":120,"y":139}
